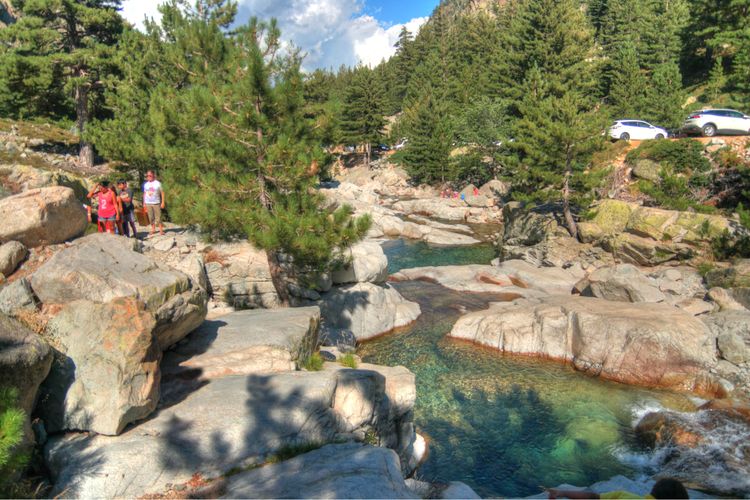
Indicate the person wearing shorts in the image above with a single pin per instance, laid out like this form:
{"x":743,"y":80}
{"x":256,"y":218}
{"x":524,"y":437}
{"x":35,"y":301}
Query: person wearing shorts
{"x":153,"y":201}
{"x":108,"y":212}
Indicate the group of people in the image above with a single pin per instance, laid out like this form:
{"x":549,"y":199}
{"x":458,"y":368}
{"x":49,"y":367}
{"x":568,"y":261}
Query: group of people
{"x":116,"y":207}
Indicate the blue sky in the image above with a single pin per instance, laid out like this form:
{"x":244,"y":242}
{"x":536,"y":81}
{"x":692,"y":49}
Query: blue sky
{"x":330,"y":32}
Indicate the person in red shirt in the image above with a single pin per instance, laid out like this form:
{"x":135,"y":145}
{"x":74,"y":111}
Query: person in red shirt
{"x":108,"y":212}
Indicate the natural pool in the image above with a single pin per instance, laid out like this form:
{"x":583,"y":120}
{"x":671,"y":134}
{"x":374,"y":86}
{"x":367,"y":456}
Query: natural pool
{"x":505,"y":426}
{"x":404,"y":254}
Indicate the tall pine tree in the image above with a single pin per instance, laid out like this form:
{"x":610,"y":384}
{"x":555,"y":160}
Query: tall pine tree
{"x":56,"y":46}
{"x":362,"y":118}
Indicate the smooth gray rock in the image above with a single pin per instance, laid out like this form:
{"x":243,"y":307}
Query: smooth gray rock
{"x":43,"y":216}
{"x":12,"y":254}
{"x":622,"y":283}
{"x":102,"y":267}
{"x":209,"y":427}
{"x":106,"y":370}
{"x":333,"y":471}
{"x":732,"y":330}
{"x":15,"y":296}
{"x":25,"y":360}
{"x":246,"y":342}
{"x":365,"y":262}
{"x":646,"y":344}
{"x":366,"y":310}
{"x":458,"y":490}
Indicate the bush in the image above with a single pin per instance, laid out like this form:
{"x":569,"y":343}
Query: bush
{"x":313,"y":363}
{"x":727,"y":246}
{"x":12,"y":460}
{"x":348,"y":360}
{"x":683,"y":156}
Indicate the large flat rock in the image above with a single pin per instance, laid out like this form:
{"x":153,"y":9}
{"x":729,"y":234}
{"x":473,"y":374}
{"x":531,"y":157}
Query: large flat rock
{"x":210,"y":427}
{"x":246,"y":342}
{"x":514,"y":277}
{"x":333,"y":471}
{"x":645,"y":344}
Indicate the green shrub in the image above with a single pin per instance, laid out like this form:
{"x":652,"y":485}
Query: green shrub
{"x":12,"y":460}
{"x":727,"y":246}
{"x":683,"y":156}
{"x":313,"y":363}
{"x":704,"y":268}
{"x":348,"y":360}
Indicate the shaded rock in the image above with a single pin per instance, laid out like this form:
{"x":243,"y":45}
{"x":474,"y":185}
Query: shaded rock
{"x":365,"y":262}
{"x":732,"y":330}
{"x":238,"y":274}
{"x":246,"y":342}
{"x":102,"y":267}
{"x":643,"y":344}
{"x":622,"y":283}
{"x":457,"y":489}
{"x":12,"y":254}
{"x":736,"y":275}
{"x":42,"y":217}
{"x":15,"y":296}
{"x":741,"y":295}
{"x":724,"y":300}
{"x":106,"y":371}
{"x":495,"y":190}
{"x":333,"y":471}
{"x":25,"y":361}
{"x":366,"y":310}
{"x":259,"y":414}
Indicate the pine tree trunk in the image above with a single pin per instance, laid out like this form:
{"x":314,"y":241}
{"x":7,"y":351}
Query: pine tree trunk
{"x":569,"y":220}
{"x":367,"y":155}
{"x":277,"y":277}
{"x":86,"y":149}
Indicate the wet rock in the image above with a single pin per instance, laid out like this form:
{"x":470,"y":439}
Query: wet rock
{"x":42,"y":217}
{"x":643,"y":344}
{"x":364,"y":262}
{"x":12,"y":254}
{"x":333,"y":471}
{"x":246,"y":342}
{"x":366,"y":310}
{"x":106,"y":370}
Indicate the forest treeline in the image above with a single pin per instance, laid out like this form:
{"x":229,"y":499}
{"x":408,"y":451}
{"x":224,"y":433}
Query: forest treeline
{"x":520,"y":90}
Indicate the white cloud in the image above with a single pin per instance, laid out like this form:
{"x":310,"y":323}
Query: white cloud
{"x":331,"y":32}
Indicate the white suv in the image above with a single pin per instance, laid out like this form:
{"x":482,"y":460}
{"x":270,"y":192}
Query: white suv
{"x":709,"y":122}
{"x":635,"y":129}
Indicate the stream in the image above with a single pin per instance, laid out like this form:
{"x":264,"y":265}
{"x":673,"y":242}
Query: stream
{"x":506,"y":426}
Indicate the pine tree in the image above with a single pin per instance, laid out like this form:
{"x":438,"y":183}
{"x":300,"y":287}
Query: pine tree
{"x":427,"y":154}
{"x":232,"y":141}
{"x":402,"y":64}
{"x":12,"y":460}
{"x":717,"y":80}
{"x":362,"y":118}
{"x":56,"y":46}
{"x":627,"y":87}
{"x":666,"y":96}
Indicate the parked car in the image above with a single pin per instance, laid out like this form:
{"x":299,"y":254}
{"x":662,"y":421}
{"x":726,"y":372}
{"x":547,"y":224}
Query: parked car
{"x":383,"y":147}
{"x":635,"y":129}
{"x":710,"y":122}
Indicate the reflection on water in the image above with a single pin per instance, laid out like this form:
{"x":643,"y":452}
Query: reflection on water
{"x":507,"y":425}
{"x":404,"y":254}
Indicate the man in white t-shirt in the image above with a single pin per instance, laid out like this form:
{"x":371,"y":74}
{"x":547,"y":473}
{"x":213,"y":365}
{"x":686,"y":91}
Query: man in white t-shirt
{"x":153,"y":201}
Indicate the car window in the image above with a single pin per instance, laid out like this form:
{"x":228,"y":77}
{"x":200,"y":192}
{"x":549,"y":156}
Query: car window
{"x":735,"y":114}
{"x":718,"y":112}
{"x":630,"y":124}
{"x":644,"y":124}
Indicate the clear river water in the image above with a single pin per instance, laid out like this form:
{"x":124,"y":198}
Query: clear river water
{"x":507,"y":426}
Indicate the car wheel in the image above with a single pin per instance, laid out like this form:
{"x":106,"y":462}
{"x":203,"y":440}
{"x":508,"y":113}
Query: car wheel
{"x":659,"y":136}
{"x":709,"y":130}
{"x":625,"y":136}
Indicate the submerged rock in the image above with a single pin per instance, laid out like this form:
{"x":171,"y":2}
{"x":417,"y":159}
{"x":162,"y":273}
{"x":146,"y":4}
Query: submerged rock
{"x":645,"y":344}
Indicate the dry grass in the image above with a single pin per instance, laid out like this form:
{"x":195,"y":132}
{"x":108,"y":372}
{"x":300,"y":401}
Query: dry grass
{"x":215,"y":256}
{"x":46,"y":131}
{"x":31,"y":319}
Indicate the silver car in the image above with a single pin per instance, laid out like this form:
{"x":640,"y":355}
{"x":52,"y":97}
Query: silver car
{"x":710,"y":122}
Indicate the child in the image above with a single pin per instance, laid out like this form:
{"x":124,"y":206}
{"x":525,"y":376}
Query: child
{"x":108,"y":212}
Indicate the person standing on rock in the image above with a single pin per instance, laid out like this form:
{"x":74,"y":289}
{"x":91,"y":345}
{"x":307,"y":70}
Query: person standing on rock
{"x":108,"y":212}
{"x":128,"y":209}
{"x":153,"y":200}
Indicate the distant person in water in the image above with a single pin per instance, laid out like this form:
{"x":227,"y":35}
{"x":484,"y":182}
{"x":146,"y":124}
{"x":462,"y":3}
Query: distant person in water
{"x":108,"y":212}
{"x":664,"y":488}
{"x":128,"y":209}
{"x":153,"y":200}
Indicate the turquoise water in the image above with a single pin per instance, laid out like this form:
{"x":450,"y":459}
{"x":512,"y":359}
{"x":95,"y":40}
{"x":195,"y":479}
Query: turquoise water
{"x":404,"y":254}
{"x":505,"y":425}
